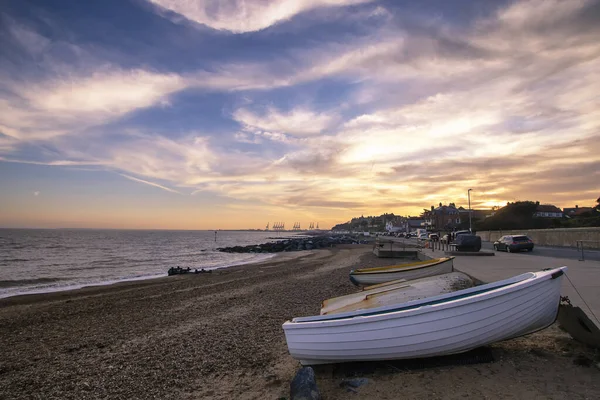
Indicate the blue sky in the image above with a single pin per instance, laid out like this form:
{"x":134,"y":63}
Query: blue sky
{"x":210,"y":114}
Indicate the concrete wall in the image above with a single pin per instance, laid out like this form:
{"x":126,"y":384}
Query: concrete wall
{"x":566,"y":237}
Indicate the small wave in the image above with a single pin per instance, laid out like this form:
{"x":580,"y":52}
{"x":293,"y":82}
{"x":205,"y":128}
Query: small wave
{"x":257,"y":258}
{"x":27,"y":282}
{"x":108,"y":262}
{"x":16,"y":260}
{"x":206,"y":253}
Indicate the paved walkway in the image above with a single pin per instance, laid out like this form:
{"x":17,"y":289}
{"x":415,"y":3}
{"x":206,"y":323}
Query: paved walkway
{"x":585,"y":275}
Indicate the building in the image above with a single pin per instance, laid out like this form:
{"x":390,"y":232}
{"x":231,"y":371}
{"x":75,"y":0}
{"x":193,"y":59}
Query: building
{"x":576,"y":211}
{"x":442,"y":218}
{"x":391,"y":227}
{"x":414,"y":223}
{"x":548,"y":211}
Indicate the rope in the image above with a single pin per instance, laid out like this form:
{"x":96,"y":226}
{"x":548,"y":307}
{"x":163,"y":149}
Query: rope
{"x":582,"y":299}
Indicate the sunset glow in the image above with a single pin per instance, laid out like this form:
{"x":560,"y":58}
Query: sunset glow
{"x":185,"y":115}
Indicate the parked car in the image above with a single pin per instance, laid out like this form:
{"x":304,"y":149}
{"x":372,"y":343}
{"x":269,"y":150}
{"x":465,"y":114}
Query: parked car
{"x":468,"y":243}
{"x":434,"y":237}
{"x":409,"y":235}
{"x":512,"y":243}
{"x":422,"y":236}
{"x":458,"y":233}
{"x":400,"y":234}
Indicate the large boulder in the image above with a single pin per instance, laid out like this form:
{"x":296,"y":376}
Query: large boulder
{"x":304,"y":386}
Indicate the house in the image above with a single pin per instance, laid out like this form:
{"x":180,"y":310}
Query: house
{"x":395,"y":224}
{"x":442,"y":217}
{"x":547,"y":211}
{"x":575,"y":212}
{"x":415,"y":223}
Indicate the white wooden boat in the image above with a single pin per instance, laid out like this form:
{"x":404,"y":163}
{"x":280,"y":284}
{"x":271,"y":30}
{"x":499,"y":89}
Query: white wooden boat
{"x":396,"y":292}
{"x":408,"y":271}
{"x":440,"y":325}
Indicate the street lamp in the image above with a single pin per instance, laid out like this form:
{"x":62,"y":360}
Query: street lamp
{"x":469,"y":195}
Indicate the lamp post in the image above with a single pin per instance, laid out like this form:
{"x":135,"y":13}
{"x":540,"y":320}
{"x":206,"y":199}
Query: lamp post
{"x":469,"y":195}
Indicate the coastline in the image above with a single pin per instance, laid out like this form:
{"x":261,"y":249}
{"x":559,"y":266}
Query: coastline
{"x":219,"y":336}
{"x":77,"y":286}
{"x":86,"y":289}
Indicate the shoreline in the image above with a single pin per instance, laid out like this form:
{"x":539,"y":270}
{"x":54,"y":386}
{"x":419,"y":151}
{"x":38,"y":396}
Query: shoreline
{"x":122,"y":283}
{"x":219,"y":336}
{"x":71,"y":287}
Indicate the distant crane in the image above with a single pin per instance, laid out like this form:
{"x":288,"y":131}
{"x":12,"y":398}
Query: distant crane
{"x":278,"y":226}
{"x":296,"y":226}
{"x":267,"y":228}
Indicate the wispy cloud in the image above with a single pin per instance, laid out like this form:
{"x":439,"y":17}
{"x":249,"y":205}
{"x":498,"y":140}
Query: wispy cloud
{"x":67,"y":163}
{"x":297,"y":122}
{"x":67,"y":105}
{"x":240,"y":16}
{"x":150,"y":183}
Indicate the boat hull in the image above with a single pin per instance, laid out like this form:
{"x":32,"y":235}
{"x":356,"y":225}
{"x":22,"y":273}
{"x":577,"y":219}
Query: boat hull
{"x":442,"y":325}
{"x":376,"y":277}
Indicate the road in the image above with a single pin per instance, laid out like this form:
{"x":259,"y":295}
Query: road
{"x":556,"y":252}
{"x":543,"y":251}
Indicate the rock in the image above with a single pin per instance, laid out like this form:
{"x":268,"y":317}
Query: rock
{"x":355,"y":382}
{"x":352,"y":384}
{"x":304,"y":385}
{"x":295,"y":244}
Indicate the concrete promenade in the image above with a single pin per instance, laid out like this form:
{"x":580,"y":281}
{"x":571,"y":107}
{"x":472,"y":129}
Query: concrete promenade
{"x":585,"y":275}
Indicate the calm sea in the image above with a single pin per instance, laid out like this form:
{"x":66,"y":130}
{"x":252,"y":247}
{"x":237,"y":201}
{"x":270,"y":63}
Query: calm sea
{"x":46,"y":260}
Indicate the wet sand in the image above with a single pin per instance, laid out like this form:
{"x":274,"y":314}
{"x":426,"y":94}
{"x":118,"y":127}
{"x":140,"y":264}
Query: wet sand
{"x":219,"y":336}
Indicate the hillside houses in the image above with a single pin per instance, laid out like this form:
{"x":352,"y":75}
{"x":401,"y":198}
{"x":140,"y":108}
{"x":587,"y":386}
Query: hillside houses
{"x":576,"y":211}
{"x":449,"y":217}
{"x":548,"y":211}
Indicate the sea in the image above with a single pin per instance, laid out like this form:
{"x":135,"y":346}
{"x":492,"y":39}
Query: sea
{"x":49,"y":260}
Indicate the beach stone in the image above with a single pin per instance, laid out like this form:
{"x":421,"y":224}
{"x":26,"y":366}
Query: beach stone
{"x":353,"y":383}
{"x":304,"y":385}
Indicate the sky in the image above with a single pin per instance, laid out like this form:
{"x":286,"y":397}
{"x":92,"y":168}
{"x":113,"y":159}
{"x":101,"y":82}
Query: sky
{"x":208,"y":114}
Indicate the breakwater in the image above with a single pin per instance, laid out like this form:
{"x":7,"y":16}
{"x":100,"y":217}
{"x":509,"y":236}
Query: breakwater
{"x":295,"y":244}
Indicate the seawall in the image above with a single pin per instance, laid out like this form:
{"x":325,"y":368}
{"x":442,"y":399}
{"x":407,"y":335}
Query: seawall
{"x":566,"y":237}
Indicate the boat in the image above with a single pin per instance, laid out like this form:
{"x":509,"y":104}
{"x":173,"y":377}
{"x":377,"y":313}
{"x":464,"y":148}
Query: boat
{"x":440,"y":325}
{"x":399,"y":291}
{"x":408,"y":271}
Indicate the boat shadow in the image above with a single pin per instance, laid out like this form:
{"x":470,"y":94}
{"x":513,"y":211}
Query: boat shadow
{"x":480,"y":355}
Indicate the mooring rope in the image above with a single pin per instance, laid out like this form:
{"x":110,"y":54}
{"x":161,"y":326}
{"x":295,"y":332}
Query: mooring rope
{"x":582,"y":299}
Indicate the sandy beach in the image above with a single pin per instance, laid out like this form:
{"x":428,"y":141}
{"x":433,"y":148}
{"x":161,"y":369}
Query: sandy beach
{"x":219,"y":336}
